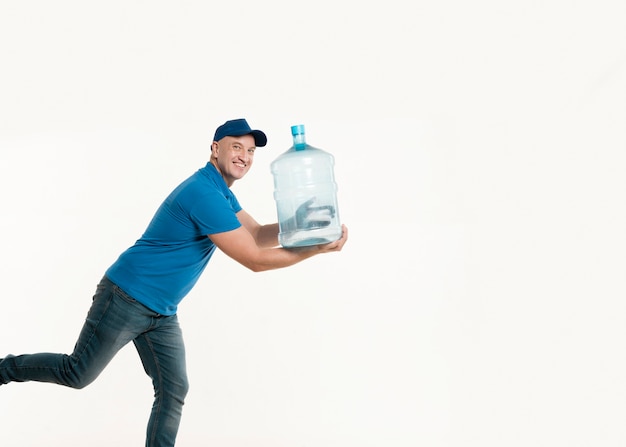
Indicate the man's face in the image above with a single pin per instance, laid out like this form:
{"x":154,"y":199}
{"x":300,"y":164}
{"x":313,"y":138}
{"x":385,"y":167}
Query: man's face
{"x":233,"y":156}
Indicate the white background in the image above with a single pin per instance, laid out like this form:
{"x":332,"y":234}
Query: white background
{"x":480,"y":156}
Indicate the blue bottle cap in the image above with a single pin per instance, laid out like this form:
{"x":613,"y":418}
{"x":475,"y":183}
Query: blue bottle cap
{"x":297,"y":130}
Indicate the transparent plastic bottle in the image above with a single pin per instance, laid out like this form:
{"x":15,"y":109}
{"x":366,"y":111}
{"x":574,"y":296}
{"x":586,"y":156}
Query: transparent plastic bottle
{"x":306,"y":194}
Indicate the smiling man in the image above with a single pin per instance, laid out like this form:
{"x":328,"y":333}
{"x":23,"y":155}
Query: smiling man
{"x":138,"y":296}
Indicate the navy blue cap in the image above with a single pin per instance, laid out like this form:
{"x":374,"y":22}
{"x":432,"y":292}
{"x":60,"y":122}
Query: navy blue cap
{"x":237,"y":128}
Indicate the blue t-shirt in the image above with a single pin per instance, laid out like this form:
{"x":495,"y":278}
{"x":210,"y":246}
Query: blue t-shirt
{"x":166,"y":262}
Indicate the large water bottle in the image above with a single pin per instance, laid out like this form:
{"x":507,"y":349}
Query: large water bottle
{"x":306,"y":194}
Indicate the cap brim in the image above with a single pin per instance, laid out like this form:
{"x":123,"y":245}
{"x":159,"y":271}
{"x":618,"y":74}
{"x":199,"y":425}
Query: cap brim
{"x":260,"y":139}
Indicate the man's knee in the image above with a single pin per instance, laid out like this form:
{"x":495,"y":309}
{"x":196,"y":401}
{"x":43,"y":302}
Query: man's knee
{"x":78,"y":377}
{"x":176,"y":390}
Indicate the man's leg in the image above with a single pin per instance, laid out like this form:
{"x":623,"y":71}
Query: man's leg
{"x":113,"y":320}
{"x":162,"y":352}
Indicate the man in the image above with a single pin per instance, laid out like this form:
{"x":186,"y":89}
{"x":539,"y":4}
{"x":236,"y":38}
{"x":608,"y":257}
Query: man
{"x":138,"y":296}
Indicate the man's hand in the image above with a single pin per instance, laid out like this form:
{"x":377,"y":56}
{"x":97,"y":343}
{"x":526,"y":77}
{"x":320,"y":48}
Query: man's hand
{"x":336,"y":245}
{"x":308,"y":216}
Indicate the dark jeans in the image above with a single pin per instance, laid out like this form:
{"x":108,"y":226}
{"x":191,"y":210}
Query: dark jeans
{"x":114,"y":320}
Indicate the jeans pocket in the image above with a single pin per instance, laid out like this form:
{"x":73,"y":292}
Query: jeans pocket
{"x":123,"y":295}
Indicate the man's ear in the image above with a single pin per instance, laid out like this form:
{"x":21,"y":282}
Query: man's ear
{"x":214,"y":149}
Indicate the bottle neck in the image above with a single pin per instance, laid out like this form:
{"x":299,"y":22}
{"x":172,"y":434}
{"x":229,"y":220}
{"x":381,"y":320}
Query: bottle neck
{"x":299,"y":141}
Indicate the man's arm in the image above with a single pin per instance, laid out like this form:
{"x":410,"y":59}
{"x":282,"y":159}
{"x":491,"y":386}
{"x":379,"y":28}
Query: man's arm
{"x":241,"y":246}
{"x":265,"y":236}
